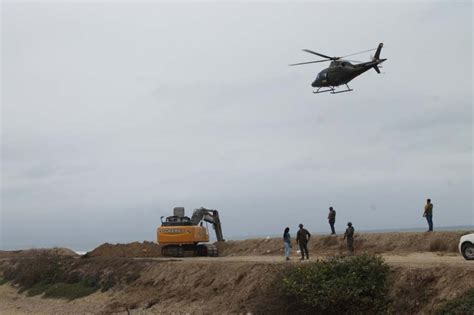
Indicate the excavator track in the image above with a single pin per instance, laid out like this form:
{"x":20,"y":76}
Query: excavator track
{"x":211,"y":250}
{"x":172,"y":251}
{"x":202,"y":250}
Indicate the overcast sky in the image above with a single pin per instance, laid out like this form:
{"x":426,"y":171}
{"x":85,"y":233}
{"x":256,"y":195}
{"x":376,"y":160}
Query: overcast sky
{"x":114,"y":113}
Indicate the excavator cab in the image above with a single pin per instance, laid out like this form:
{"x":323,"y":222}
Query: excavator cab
{"x":180,"y":235}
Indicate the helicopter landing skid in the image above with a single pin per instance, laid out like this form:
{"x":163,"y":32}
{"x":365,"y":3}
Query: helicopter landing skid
{"x":333,"y":90}
{"x":348,"y":90}
{"x":323,"y":91}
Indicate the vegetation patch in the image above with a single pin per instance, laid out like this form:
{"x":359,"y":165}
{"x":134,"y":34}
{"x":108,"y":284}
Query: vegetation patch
{"x":45,"y":268}
{"x":70,"y":291}
{"x":58,"y":276}
{"x":38,"y":288}
{"x":459,"y":306}
{"x":340,"y":285}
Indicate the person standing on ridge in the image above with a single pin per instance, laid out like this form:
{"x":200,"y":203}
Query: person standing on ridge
{"x":429,"y":214}
{"x":332,"y":219}
{"x":302,"y":239}
{"x":287,"y":242}
{"x":349,"y":235}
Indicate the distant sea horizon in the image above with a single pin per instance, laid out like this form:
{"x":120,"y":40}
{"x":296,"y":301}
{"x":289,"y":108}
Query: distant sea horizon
{"x":388,"y":230}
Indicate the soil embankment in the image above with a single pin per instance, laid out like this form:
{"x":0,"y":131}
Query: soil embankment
{"x":374,"y":243}
{"x":236,"y":285}
{"x":425,"y":272}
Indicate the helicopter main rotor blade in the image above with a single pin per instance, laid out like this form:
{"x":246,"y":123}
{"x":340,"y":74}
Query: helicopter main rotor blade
{"x":305,"y":63}
{"x":318,"y":54}
{"x":356,"y":61}
{"x":360,"y":52}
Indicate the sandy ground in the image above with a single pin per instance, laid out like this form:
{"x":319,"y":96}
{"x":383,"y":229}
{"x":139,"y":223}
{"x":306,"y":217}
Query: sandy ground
{"x":13,"y":303}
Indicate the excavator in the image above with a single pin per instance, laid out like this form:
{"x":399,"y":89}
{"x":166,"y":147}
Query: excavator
{"x":179,"y":235}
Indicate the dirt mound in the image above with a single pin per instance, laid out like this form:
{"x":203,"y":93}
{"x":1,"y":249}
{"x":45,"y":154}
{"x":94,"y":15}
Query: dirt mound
{"x":60,"y":251}
{"x":135,"y":249}
{"x":377,"y":243}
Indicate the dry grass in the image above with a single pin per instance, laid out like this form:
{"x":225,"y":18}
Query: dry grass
{"x":438,"y":245}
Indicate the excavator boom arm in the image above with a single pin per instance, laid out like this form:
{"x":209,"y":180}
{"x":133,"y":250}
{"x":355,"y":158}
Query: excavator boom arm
{"x":211,"y":216}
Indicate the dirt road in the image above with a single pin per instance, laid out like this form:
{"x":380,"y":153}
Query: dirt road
{"x":427,"y":259}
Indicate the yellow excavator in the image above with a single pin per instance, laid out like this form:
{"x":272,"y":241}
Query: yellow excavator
{"x":179,"y":235}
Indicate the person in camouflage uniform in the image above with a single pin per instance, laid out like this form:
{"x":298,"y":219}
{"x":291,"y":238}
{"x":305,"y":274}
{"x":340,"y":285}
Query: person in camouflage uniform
{"x":302,"y":238}
{"x":332,"y":219}
{"x":349,"y":236}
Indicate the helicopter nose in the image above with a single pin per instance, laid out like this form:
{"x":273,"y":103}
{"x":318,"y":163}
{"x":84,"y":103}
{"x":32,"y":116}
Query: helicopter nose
{"x":315,"y":83}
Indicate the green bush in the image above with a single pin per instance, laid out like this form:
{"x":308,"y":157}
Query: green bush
{"x":459,"y":306}
{"x":340,"y":285}
{"x":38,"y":288}
{"x":70,"y":291}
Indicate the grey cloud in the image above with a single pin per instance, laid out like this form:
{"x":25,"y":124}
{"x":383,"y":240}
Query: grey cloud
{"x":113,"y":113}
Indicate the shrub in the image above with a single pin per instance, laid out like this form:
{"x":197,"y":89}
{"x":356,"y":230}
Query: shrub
{"x":340,"y":285}
{"x":38,"y":288}
{"x":459,"y":306}
{"x":70,"y":291}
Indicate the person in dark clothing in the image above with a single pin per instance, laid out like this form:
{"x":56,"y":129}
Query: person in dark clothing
{"x":287,"y":242}
{"x":302,"y":238}
{"x":428,"y":214}
{"x":349,"y":235}
{"x":332,"y":219}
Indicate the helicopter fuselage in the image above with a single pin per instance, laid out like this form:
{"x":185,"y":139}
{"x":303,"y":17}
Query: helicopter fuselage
{"x":342,"y":72}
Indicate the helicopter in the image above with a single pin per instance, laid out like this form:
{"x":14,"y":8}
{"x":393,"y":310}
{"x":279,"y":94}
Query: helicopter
{"x":341,"y":71}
